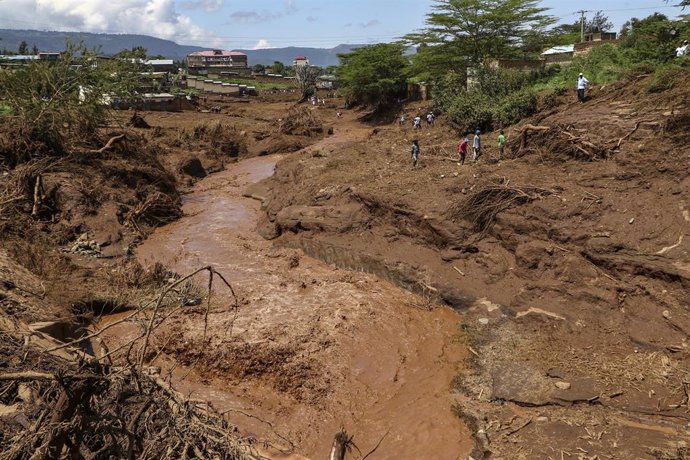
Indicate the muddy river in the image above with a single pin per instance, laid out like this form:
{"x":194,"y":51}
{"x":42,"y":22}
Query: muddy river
{"x":328,"y":348}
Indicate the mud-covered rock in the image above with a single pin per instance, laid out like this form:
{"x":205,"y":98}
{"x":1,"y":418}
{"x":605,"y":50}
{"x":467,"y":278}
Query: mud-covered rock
{"x":192,"y":167}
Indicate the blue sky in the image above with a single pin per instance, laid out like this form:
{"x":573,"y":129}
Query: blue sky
{"x":268,"y":23}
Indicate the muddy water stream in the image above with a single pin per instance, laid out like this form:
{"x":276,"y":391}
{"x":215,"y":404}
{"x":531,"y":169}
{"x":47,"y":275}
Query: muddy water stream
{"x":328,"y":347}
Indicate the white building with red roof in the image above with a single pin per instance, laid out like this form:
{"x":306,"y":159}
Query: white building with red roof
{"x":300,"y":61}
{"x":217,"y":62}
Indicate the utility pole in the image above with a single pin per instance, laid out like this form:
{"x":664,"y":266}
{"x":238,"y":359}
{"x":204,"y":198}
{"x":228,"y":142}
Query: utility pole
{"x":582,"y":24}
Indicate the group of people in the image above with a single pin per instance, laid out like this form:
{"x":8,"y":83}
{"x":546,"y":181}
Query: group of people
{"x":417,"y":121}
{"x":463,"y":146}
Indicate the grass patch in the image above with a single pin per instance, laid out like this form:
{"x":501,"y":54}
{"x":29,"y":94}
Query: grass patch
{"x":5,"y":110}
{"x":260,"y":85}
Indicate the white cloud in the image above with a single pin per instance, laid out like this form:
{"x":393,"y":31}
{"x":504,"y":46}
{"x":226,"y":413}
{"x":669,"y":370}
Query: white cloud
{"x":206,"y":5}
{"x":150,"y":17}
{"x":262,"y":44}
{"x":254,"y":16}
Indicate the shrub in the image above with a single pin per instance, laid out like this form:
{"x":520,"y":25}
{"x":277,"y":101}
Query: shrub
{"x":514,"y":107}
{"x":471,"y":110}
{"x":665,"y":78}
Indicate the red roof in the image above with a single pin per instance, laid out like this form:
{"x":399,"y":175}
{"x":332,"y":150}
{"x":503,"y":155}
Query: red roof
{"x":301,"y":58}
{"x":217,"y":53}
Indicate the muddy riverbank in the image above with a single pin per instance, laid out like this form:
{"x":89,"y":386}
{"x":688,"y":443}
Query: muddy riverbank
{"x":312,"y":348}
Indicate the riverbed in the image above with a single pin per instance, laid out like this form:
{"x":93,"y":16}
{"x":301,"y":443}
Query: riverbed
{"x":312,"y":348}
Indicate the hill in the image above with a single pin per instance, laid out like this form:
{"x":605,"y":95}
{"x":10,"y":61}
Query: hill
{"x":112,"y":43}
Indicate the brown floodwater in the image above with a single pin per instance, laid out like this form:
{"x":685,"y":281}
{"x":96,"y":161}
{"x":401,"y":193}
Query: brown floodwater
{"x":380,"y":358}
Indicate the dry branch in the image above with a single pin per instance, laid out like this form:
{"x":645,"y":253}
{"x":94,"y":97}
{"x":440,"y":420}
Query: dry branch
{"x":483,"y":205}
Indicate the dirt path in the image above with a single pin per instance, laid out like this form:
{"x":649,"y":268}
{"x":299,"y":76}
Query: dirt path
{"x":312,"y":348}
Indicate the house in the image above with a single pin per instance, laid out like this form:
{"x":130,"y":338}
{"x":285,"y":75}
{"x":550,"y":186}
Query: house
{"x":524,"y":65}
{"x":300,"y":61}
{"x":48,"y":56}
{"x":213,"y":62}
{"x":559,"y":54}
{"x":594,"y":40}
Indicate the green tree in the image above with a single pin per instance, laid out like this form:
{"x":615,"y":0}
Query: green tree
{"x":23,"y":48}
{"x":373,"y":75}
{"x":137,"y":52}
{"x":258,"y":68}
{"x":652,"y":39}
{"x":34,"y":50}
{"x":476,"y":30}
{"x":599,"y":23}
{"x":278,"y":67}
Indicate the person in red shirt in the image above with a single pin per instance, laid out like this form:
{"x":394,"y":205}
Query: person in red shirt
{"x":462,"y":149}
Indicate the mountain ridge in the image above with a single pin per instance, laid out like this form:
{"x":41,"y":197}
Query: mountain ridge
{"x":112,"y":43}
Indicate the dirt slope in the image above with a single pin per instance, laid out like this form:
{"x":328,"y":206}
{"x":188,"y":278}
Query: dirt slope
{"x":570,"y":258}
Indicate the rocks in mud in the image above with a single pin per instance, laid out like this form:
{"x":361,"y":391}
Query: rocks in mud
{"x":192,"y":167}
{"x":555,"y":373}
{"x":85,"y":246}
{"x":324,"y":218}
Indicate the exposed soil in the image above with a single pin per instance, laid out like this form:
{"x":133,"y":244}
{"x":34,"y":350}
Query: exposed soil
{"x":569,"y":254}
{"x":566,"y":263}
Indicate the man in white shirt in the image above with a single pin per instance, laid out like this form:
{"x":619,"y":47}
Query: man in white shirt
{"x":683,"y":50}
{"x":581,"y":85}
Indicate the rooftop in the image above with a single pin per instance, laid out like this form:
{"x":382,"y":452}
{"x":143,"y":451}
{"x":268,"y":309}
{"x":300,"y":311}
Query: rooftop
{"x":560,"y":49}
{"x":211,"y":53}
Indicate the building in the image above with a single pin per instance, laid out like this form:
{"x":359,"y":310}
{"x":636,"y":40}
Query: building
{"x":300,"y":61}
{"x":559,"y":54}
{"x":594,"y":40}
{"x":214,"y":62}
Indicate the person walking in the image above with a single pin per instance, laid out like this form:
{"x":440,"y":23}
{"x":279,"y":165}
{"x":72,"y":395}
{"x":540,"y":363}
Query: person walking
{"x":401,"y":122}
{"x":415,"y":153}
{"x":430,"y":119}
{"x":683,"y":49}
{"x":476,"y":146}
{"x":581,"y":85}
{"x":462,"y":149}
{"x":501,"y":144}
{"x":417,"y":122}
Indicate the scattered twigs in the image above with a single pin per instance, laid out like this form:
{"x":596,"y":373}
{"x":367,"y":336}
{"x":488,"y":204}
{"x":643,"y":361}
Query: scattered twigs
{"x":376,"y":446}
{"x":637,"y":126}
{"x":482,"y":206}
{"x":109,"y":144}
{"x":513,"y":431}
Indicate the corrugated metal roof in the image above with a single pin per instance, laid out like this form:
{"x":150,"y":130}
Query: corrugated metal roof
{"x":560,"y":49}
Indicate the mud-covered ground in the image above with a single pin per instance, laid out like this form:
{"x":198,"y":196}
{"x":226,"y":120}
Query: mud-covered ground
{"x":569,"y":258}
{"x":566,"y":261}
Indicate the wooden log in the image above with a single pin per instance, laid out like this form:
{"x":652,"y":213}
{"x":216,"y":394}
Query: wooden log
{"x":340,"y":445}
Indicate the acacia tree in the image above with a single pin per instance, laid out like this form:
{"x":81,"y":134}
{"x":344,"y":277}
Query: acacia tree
{"x":373,"y":75}
{"x":472,"y":31}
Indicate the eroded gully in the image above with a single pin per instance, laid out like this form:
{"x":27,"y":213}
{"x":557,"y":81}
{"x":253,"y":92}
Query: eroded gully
{"x":379,"y":360}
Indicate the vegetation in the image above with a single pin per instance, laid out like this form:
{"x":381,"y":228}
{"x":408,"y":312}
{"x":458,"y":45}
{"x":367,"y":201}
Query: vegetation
{"x":305,"y":79}
{"x":473,"y":31}
{"x":57,"y":103}
{"x":373,"y":75}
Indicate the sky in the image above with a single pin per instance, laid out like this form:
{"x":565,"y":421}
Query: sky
{"x":257,"y":24}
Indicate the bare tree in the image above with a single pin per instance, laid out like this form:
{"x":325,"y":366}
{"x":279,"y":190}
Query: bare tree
{"x":305,"y":78}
